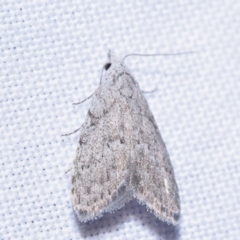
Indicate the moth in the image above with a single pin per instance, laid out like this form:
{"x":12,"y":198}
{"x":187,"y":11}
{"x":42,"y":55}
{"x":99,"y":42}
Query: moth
{"x":120,"y":154}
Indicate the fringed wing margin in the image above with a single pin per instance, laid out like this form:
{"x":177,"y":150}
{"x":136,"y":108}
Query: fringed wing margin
{"x":100,"y":167}
{"x":151,"y":173}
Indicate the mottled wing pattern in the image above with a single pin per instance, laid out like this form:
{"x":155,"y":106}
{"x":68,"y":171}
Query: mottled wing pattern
{"x":100,"y":167}
{"x":152,"y":176}
{"x":121,"y":154}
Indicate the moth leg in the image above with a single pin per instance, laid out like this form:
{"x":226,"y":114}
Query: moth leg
{"x":84,"y":100}
{"x":68,"y":170}
{"x":151,"y":91}
{"x":67,"y":134}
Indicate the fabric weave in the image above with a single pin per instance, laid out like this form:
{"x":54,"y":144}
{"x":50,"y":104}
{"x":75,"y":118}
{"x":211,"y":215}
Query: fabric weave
{"x":51,"y":55}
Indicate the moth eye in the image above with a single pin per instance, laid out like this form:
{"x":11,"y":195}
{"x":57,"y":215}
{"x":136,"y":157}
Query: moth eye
{"x":107,"y":66}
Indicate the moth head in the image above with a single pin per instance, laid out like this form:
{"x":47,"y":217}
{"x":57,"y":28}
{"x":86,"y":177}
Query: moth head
{"x":107,"y":66}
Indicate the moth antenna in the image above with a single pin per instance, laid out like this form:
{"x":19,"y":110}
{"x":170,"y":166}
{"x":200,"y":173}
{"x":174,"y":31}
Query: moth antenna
{"x":157,"y":54}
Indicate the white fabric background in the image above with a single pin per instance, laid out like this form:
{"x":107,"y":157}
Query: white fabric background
{"x":51,"y":55}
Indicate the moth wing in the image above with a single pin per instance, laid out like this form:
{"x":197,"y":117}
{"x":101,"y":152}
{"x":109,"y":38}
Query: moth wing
{"x":152,"y":176}
{"x":100,"y":167}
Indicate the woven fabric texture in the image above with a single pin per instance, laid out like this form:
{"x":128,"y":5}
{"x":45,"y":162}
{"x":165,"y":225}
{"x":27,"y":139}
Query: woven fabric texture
{"x":51,"y":55}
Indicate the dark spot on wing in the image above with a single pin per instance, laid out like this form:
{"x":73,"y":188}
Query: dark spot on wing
{"x":176,"y":216}
{"x":83,"y":212}
{"x":73,"y":179}
{"x":163,"y":209}
{"x":122,"y":190}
